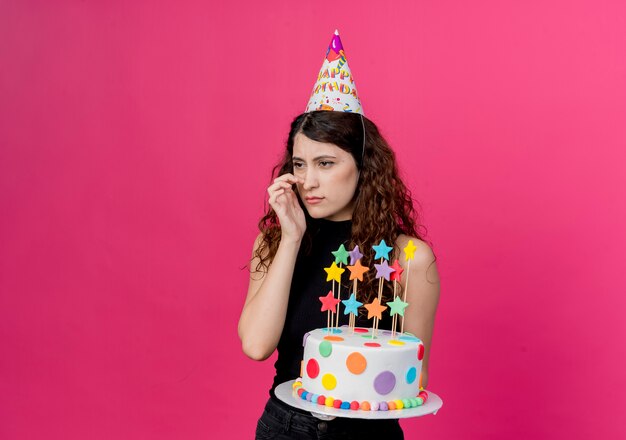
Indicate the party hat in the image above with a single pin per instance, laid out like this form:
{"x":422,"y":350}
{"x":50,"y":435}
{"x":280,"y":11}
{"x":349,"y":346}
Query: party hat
{"x":334,"y":89}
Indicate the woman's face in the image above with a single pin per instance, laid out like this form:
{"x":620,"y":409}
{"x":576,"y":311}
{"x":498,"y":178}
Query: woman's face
{"x":330,"y":178}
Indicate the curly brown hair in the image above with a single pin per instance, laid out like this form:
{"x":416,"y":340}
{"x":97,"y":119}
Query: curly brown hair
{"x":383,"y":207}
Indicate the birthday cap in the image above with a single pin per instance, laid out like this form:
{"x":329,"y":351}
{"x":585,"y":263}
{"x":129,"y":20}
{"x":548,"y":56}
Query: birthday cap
{"x":334,"y":89}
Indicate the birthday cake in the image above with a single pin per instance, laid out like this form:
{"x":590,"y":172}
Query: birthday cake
{"x":354,"y":369}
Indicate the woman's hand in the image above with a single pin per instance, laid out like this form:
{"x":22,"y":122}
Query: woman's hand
{"x":284,"y":201}
{"x":263,"y":316}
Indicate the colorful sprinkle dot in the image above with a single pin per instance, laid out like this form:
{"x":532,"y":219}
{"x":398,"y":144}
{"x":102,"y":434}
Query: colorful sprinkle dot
{"x":365,"y":405}
{"x":406,"y":403}
{"x":360,"y":330}
{"x":383,"y":406}
{"x":372,"y":344}
{"x":356,"y":363}
{"x":395,"y":342}
{"x":333,"y":338}
{"x":411,"y":375}
{"x":345,"y":405}
{"x":354,"y":405}
{"x":326,"y":348}
{"x":420,"y":352}
{"x":337,"y":403}
{"x":385,"y":382}
{"x":312,"y":368}
{"x":391,"y":405}
{"x":332,"y":330}
{"x":414,"y":402}
{"x":304,"y":395}
{"x":329,"y":401}
{"x":399,"y":404}
{"x":420,"y":401}
{"x":369,"y":336}
{"x":409,"y":338}
{"x":329,"y":381}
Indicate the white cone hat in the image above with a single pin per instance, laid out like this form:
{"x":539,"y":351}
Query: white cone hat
{"x":335,"y":89}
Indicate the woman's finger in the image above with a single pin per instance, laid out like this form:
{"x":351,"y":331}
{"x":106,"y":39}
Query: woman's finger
{"x":294,"y":202}
{"x":273,"y":198}
{"x":278,"y":185}
{"x":288,"y":177}
{"x":284,"y":177}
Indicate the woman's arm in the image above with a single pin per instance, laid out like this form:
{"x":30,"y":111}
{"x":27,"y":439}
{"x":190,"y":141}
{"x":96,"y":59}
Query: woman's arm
{"x":422,"y":296}
{"x":263,"y":315}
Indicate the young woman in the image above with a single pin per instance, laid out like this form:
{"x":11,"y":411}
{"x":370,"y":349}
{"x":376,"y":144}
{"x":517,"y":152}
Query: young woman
{"x":332,"y":187}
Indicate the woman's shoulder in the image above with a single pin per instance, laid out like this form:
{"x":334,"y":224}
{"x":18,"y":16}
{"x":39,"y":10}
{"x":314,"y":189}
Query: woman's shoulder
{"x":422,"y":253}
{"x":423,"y":260}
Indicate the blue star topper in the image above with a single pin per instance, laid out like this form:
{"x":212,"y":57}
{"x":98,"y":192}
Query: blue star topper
{"x":382,"y":250}
{"x":351,"y":305}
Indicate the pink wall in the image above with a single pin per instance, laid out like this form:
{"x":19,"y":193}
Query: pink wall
{"x":136,"y":141}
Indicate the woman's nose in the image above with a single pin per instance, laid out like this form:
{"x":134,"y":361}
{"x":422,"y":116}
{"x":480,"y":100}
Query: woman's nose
{"x":310,"y":180}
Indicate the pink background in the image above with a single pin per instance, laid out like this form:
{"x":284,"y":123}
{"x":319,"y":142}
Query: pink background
{"x":136,"y":142}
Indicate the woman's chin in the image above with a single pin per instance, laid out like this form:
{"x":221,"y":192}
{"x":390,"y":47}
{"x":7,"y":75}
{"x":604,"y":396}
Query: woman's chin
{"x":316,"y":213}
{"x":319,"y":213}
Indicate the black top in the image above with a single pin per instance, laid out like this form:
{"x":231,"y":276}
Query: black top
{"x":308,"y":284}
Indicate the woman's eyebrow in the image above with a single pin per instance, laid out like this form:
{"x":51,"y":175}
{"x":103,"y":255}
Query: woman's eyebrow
{"x":327,"y":156}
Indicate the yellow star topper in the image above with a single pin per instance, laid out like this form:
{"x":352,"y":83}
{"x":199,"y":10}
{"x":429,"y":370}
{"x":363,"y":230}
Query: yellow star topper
{"x":409,"y":251}
{"x":334,"y":272}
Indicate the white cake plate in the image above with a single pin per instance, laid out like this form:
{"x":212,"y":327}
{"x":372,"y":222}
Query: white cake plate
{"x":286,"y":393}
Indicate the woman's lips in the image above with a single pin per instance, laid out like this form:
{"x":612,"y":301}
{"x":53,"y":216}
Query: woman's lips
{"x":313,"y":200}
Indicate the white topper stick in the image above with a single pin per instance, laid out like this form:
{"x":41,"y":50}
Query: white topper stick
{"x":406,"y":288}
{"x":339,"y":297}
{"x":332,"y":318}
{"x":395,"y":317}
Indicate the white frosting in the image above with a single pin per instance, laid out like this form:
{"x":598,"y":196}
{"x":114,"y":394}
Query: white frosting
{"x":395,"y":359}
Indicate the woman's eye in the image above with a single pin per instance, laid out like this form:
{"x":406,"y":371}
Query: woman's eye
{"x":298,"y":165}
{"x":326,"y":163}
